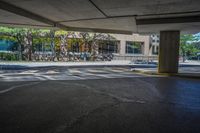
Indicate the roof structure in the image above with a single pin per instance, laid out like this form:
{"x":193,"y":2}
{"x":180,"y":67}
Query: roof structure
{"x":113,"y":16}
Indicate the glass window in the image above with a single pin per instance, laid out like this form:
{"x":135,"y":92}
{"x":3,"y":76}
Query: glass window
{"x":134,"y":47}
{"x":108,"y":47}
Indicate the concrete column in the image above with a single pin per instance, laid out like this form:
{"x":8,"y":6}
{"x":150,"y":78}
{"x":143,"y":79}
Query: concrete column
{"x":146,"y":49}
{"x":122,"y":47}
{"x":169,"y":51}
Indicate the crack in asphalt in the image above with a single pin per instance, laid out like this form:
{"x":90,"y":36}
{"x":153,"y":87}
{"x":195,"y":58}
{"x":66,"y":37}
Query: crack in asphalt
{"x":113,"y":96}
{"x":78,"y":120}
{"x":17,"y":86}
{"x":152,"y":87}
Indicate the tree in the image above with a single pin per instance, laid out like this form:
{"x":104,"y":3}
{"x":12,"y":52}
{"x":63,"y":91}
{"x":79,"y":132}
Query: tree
{"x":24,"y":38}
{"x":41,"y":42}
{"x":29,"y":41}
{"x":62,"y":38}
{"x":187,"y":47}
{"x":91,"y":41}
{"x":15,"y":34}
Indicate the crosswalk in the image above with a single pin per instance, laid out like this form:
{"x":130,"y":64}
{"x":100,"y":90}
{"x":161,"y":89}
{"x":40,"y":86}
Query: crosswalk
{"x":37,"y":74}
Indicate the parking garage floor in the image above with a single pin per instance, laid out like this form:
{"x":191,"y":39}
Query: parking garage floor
{"x":117,"y":102}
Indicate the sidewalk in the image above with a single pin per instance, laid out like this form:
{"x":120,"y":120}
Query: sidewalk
{"x":114,"y":63}
{"x":40,"y":64}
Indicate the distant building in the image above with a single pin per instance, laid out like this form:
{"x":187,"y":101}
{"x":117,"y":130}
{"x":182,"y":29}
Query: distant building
{"x":134,"y":47}
{"x":134,"y":44}
{"x":6,"y":45}
{"x":154,"y":44}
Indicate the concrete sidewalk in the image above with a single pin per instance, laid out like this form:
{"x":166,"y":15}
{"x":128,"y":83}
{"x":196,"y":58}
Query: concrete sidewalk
{"x":114,"y":63}
{"x":40,"y":64}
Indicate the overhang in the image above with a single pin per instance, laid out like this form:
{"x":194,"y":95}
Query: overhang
{"x":112,"y":16}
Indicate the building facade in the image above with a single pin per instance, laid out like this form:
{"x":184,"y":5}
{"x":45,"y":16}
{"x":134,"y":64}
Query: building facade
{"x":134,"y":44}
{"x":154,"y":44}
{"x":135,"y":47}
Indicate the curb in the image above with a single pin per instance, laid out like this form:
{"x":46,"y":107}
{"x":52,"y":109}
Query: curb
{"x":181,"y":75}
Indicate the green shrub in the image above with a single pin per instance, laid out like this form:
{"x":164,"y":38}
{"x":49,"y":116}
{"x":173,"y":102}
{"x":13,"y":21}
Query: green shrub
{"x":8,"y":56}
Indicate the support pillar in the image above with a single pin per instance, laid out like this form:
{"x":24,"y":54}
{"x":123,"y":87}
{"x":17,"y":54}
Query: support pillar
{"x":122,"y":47}
{"x":169,"y":51}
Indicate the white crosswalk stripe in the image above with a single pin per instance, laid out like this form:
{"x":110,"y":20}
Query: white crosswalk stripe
{"x":65,"y":74}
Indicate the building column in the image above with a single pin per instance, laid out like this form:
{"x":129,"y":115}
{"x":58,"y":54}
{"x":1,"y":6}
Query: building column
{"x":146,"y":50}
{"x":122,"y":47}
{"x":169,"y":51}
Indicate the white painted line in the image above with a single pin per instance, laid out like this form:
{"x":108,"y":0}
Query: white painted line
{"x":74,"y":71}
{"x":47,"y":77}
{"x":51,"y":72}
{"x":13,"y":87}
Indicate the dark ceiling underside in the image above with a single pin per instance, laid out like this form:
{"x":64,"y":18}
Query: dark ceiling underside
{"x":113,"y":16}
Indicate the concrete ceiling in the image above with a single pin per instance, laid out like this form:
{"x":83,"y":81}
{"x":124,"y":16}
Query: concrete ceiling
{"x":11,"y":18}
{"x":120,"y":24}
{"x":115,"y":16}
{"x":59,"y":10}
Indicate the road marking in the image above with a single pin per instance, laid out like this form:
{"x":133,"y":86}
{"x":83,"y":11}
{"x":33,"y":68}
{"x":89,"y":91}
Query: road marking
{"x":69,"y":74}
{"x":74,"y":71}
{"x":29,"y":72}
{"x":13,"y":87}
{"x":51,"y":72}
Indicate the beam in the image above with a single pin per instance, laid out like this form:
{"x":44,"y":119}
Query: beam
{"x":22,"y":12}
{"x":168,"y":20}
{"x":25,"y":25}
{"x":99,"y":30}
{"x":137,"y":16}
{"x":98,"y":8}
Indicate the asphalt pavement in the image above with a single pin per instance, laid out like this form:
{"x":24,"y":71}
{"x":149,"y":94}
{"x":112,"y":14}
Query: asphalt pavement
{"x":110,"y":100}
